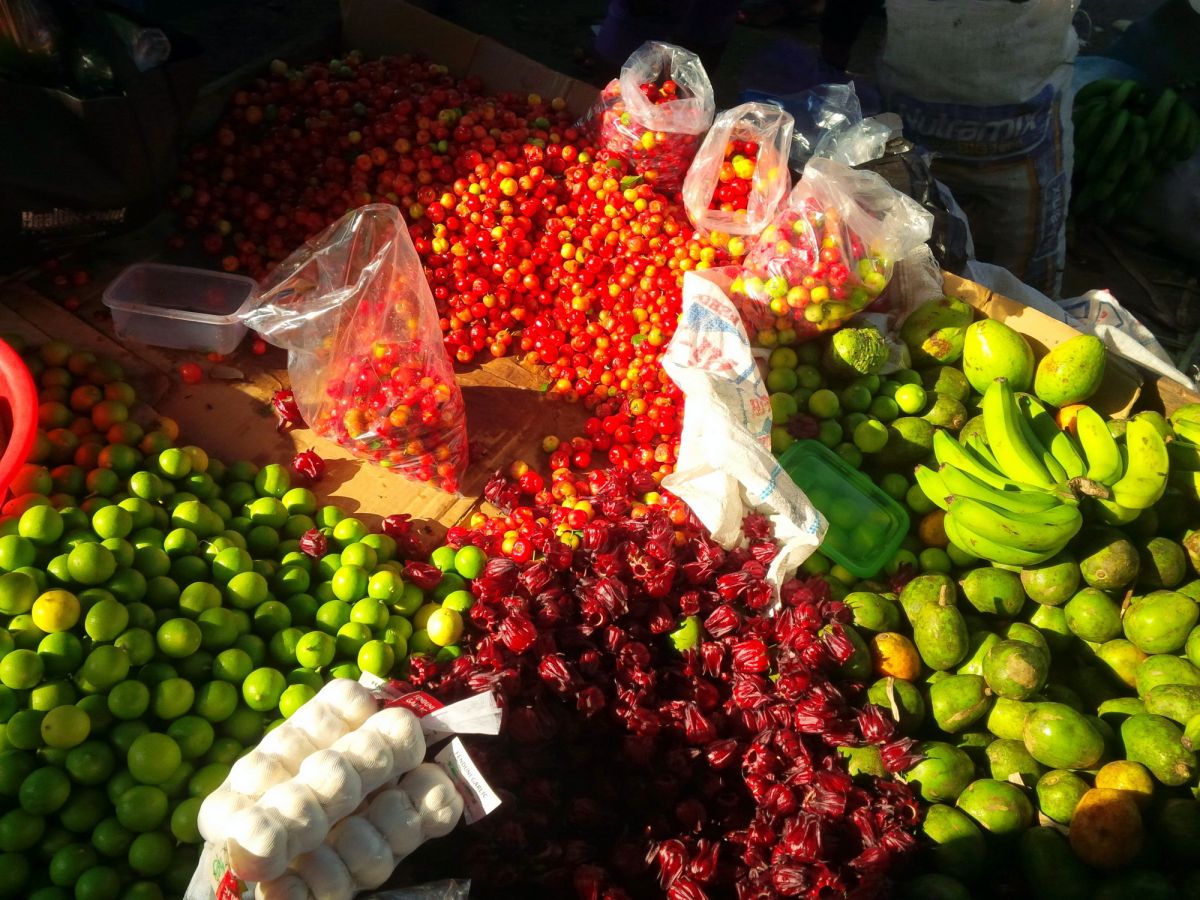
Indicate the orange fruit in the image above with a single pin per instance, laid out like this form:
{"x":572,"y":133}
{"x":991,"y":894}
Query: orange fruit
{"x":1129,"y":777}
{"x":1106,"y":830}
{"x":895,"y":655}
{"x":932,"y":529}
{"x":1065,"y":417}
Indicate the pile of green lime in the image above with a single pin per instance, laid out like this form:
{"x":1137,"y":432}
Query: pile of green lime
{"x":157,"y":617}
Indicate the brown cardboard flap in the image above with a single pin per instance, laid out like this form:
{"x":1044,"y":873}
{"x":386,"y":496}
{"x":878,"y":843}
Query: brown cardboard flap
{"x":1122,"y":383}
{"x":393,"y":26}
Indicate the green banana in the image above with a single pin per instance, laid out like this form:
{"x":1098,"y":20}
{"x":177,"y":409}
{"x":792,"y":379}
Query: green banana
{"x":932,"y":486}
{"x":976,"y":545}
{"x":1115,"y":514}
{"x":1100,"y":159}
{"x":1057,"y":473}
{"x":977,"y":444}
{"x":1146,"y":466}
{"x":1101,"y":87}
{"x":1185,"y":456}
{"x":1050,"y":529}
{"x":1088,"y":121}
{"x":1177,"y":129}
{"x":1002,"y":421}
{"x":1160,"y":114}
{"x":1187,"y":146}
{"x":1053,"y":438}
{"x":949,"y":452}
{"x":1121,"y":94}
{"x":1099,"y":447}
{"x":960,"y":484}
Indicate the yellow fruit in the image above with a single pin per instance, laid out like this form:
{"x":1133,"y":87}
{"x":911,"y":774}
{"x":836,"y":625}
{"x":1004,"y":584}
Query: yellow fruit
{"x":932,"y":530}
{"x":895,"y":655}
{"x":55,"y":611}
{"x":1106,"y":830}
{"x":1131,"y":777}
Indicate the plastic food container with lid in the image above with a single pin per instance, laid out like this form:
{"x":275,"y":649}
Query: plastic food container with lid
{"x":180,"y":307}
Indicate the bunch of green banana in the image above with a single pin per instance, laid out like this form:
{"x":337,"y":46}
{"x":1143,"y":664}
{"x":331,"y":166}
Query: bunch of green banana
{"x":1184,"y":450}
{"x":1124,"y":137}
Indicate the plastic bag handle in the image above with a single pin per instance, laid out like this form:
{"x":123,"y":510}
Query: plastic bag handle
{"x":85,"y":18}
{"x":23,"y":400}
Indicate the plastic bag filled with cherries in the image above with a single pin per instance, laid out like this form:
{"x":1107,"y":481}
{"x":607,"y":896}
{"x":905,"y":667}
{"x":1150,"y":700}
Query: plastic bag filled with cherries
{"x":365,"y":355}
{"x":656,"y":113}
{"x":740,"y":174}
{"x":828,"y":253}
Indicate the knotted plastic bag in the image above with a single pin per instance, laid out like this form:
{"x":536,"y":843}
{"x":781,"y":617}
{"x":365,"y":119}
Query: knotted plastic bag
{"x":828,"y":254}
{"x":365,"y":353}
{"x":657,"y":112}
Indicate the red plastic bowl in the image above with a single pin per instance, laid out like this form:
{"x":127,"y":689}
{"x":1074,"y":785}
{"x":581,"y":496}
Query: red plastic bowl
{"x":18,"y":414}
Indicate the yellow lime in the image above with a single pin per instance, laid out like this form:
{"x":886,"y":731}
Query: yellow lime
{"x":56,"y":611}
{"x":445,"y":626}
{"x":65,"y":727}
{"x":421,"y":616}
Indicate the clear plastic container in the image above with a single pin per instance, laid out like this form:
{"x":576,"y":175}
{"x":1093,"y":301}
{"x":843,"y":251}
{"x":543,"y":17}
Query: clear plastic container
{"x":866,"y":526}
{"x":180,"y":307}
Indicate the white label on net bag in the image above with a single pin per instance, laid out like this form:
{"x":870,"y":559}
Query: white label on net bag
{"x":725,"y":468}
{"x":477,"y":714}
{"x":478,"y":797}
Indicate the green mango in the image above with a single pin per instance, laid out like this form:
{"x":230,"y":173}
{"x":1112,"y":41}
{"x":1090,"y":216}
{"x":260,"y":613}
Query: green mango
{"x":942,"y":774}
{"x":1058,"y":793}
{"x":974,"y":427}
{"x":978,"y":645}
{"x":1051,"y":621}
{"x":946,"y":381}
{"x":863,"y":760}
{"x":1177,"y":826}
{"x":902,"y":699}
{"x":974,"y":743}
{"x":1191,"y":647}
{"x":1191,"y":537}
{"x":1015,"y":669}
{"x":873,"y":612}
{"x":935,"y":331}
{"x":956,"y":845}
{"x":910,"y":441}
{"x":859,"y":666}
{"x":1121,"y":659}
{"x":928,"y":588}
{"x":1007,"y":718}
{"x":998,"y":806}
{"x":1157,"y":743}
{"x":1027,"y":634}
{"x":1071,"y":372}
{"x":946,"y":412}
{"x":1010,"y":761}
{"x":994,"y":591}
{"x":1191,"y":733}
{"x":993,"y":350}
{"x":1178,"y":702}
{"x":940,"y":635}
{"x":935,"y":886}
{"x":1160,"y":622}
{"x":1052,"y":871}
{"x":1109,"y":560}
{"x":1118,"y":709}
{"x":1093,"y":616}
{"x":1062,"y":738}
{"x":1053,"y":582}
{"x":1163,"y":564}
{"x":1162,"y":668}
{"x":958,"y":701}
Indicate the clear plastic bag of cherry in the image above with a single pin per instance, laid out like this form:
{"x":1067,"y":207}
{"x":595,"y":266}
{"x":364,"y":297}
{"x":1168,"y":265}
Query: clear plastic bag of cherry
{"x":827,"y":255}
{"x":365,"y":354}
{"x":656,"y":113}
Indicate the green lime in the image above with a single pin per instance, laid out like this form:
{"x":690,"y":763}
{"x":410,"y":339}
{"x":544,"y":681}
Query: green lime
{"x":443,"y":558}
{"x":96,"y":706}
{"x":300,"y":501}
{"x":370,"y":612}
{"x":25,"y":634}
{"x":451,"y":582}
{"x":98,"y":883}
{"x":61,"y":653}
{"x":193,"y":734}
{"x":70,"y":862}
{"x":21,"y":670}
{"x":283,"y":646}
{"x":229,"y":562}
{"x":90,"y":563}
{"x":198,"y":598}
{"x":18,"y":592}
{"x":138,"y":645}
{"x":262,"y":689}
{"x":332,"y":615}
{"x":346,"y":670}
{"x":385,"y":586}
{"x":112,"y":522}
{"x":178,"y":638}
{"x":420,"y":642}
{"x":161,"y":592}
{"x":270,"y":617}
{"x":272,"y":480}
{"x":123,"y":734}
{"x":174,"y":463}
{"x":376,"y":657}
{"x":84,"y":810}
{"x":350,"y":639}
{"x":196,"y":668}
{"x":106,"y":620}
{"x":911,"y":398}
{"x":20,"y":831}
{"x":216,"y":701}
{"x":246,"y":590}
{"x":207,"y":779}
{"x":218,"y":627}
{"x":383,"y":545}
{"x":181,"y":542}
{"x":43,"y":525}
{"x":172,"y":698}
{"x":328,"y":564}
{"x":412,"y":600}
{"x":150,"y":853}
{"x":91,"y":763}
{"x":52,"y":694}
{"x":232,"y":665}
{"x":44,"y":790}
{"x":224,"y":751}
{"x":315,"y":650}
{"x":469,"y":561}
{"x":349,"y":583}
{"x":15,"y":766}
{"x":111,"y":838}
{"x":245,"y":726}
{"x":153,"y":758}
{"x":152,"y":562}
{"x":459,"y":601}
{"x":183,"y":821}
{"x":293,"y":697}
{"x":824,"y":404}
{"x":129,"y":700}
{"x":15,"y":871}
{"x":291,"y":580}
{"x":65,"y":727}
{"x":347,"y":531}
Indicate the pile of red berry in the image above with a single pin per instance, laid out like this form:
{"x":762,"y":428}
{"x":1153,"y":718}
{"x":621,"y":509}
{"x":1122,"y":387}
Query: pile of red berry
{"x":736,"y":176}
{"x":661,"y":156}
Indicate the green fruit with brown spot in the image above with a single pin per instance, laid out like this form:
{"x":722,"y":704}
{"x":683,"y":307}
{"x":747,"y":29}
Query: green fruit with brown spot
{"x":1118,"y":709}
{"x":1015,"y":669}
{"x":958,"y":701}
{"x":1027,"y":634}
{"x":873,"y":612}
{"x":902,"y":700}
{"x":947,"y":413}
{"x":1160,"y":622}
{"x":1157,"y":743}
{"x":998,"y":806}
{"x":940,"y":635}
{"x":934,"y":332}
{"x":1109,"y":561}
{"x":1070,"y":372}
{"x":1062,"y":738}
{"x":1051,"y":622}
{"x":1006,"y":719}
{"x":978,"y":646}
{"x":942,"y":774}
{"x":994,"y":591}
{"x":1162,"y":668}
{"x":1163,"y":564}
{"x":1054,"y":582}
{"x":974,"y":428}
{"x":1122,"y":659}
{"x":1093,"y":616}
{"x":946,"y":381}
{"x":910,"y":441}
{"x":1058,"y":793}
{"x":924,"y":589}
{"x":1010,"y":761}
{"x":956,"y":845}
{"x":1178,"y":702}
{"x":994,"y":350}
